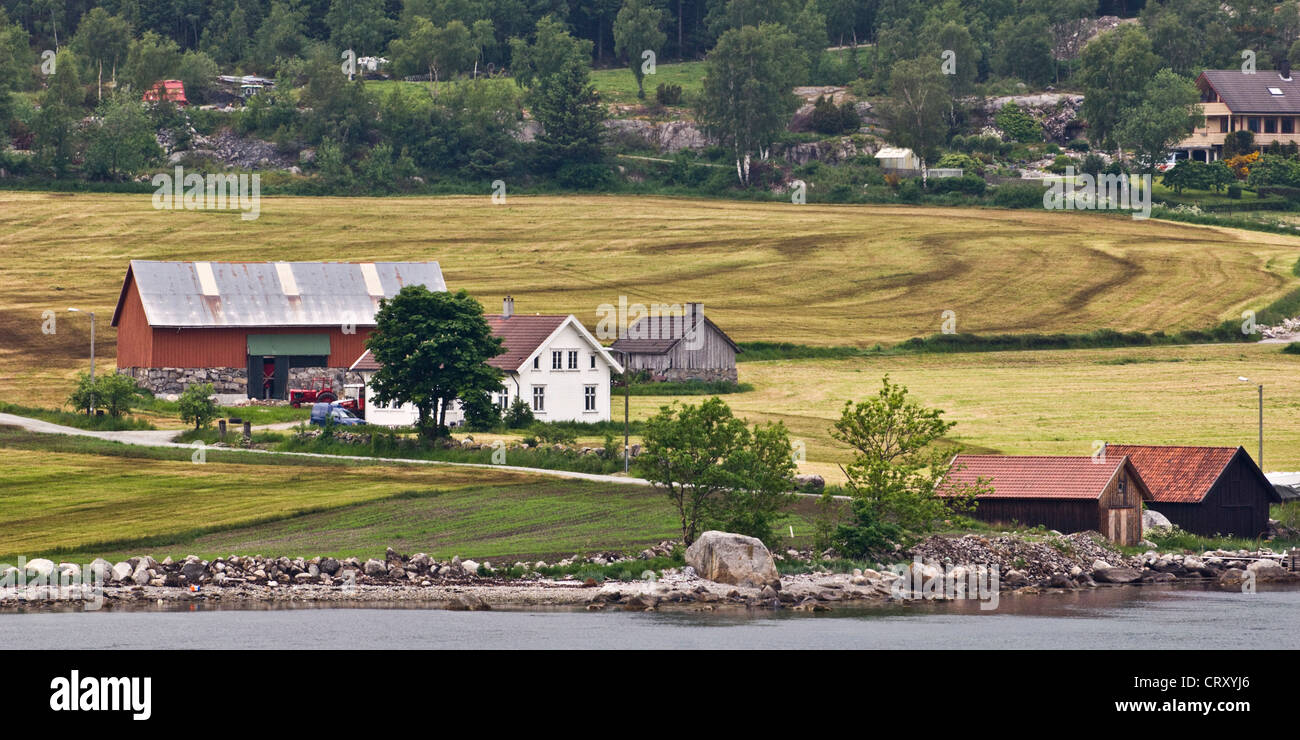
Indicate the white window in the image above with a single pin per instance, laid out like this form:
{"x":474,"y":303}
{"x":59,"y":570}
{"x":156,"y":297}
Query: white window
{"x":573,"y":359}
{"x":539,"y":398}
{"x":557,"y":360}
{"x":589,"y":398}
{"x":593,"y":360}
{"x":1275,"y":91}
{"x":537,"y":362}
{"x":503,"y":399}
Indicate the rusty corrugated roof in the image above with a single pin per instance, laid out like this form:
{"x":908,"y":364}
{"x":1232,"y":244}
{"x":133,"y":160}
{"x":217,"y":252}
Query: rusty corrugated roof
{"x":1043,"y":476}
{"x":270,"y":294}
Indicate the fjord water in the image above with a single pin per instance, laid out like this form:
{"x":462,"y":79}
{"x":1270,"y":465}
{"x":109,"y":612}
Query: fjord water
{"x":1149,"y":617}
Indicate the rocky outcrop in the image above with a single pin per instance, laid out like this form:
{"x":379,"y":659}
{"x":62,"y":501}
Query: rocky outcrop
{"x":830,"y":151}
{"x":668,"y":137}
{"x":724,"y":557}
{"x":1058,"y":113}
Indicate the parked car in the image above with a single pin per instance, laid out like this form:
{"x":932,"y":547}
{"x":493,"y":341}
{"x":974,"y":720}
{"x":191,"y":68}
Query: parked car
{"x":341,"y":416}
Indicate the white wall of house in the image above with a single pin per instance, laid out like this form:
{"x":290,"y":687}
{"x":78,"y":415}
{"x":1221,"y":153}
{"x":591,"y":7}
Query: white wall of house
{"x":576,"y":390}
{"x":568,"y":393}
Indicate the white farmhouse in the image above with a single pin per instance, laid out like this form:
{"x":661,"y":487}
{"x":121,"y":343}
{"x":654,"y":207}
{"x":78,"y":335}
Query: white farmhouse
{"x":550,"y":361}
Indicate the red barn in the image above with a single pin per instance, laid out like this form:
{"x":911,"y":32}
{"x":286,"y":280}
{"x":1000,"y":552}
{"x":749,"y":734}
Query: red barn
{"x":253,"y":328}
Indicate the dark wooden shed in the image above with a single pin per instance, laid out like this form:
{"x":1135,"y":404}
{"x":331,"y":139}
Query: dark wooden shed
{"x":1065,"y":493}
{"x":1204,"y":490}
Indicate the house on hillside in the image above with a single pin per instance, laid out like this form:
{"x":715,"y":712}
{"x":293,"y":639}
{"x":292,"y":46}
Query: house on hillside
{"x":170,"y":90}
{"x":679,"y":346}
{"x":550,"y":361}
{"x":252,"y":328}
{"x":1068,"y":494}
{"x":1204,"y":490}
{"x":1266,"y":103}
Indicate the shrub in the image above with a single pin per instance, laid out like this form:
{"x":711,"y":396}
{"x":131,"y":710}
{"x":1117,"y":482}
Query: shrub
{"x":829,"y":118}
{"x":197,"y":406}
{"x":1078,"y":145}
{"x":668,"y":94}
{"x":1017,"y":195}
{"x":1059,"y":164}
{"x":1017,"y":124}
{"x":1234,"y":191}
{"x":481,"y":414}
{"x":1292,"y":348}
{"x":968,"y":184}
{"x":909,"y":191}
{"x":519,"y":415}
{"x":113,"y":393}
{"x":584,"y":175}
{"x":552,"y":434}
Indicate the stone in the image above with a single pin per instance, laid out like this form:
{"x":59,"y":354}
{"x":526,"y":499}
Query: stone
{"x":329,"y":566}
{"x":375,"y":568}
{"x":39,"y":568}
{"x":468,"y":602}
{"x":142,"y":575}
{"x":1266,"y":569}
{"x":122,"y":571}
{"x":1100,"y":565}
{"x":732,"y":558}
{"x":1060,"y":580}
{"x":193,"y":572}
{"x":100,"y":570}
{"x":1115,"y":575}
{"x":470,"y":567}
{"x":1152,"y":519}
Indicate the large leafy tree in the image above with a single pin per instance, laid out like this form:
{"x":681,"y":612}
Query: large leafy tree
{"x":715,"y":470}
{"x":1190,"y":35}
{"x":281,"y":34}
{"x":56,"y":135}
{"x":551,"y":51}
{"x":151,"y":58}
{"x":897,"y":466}
{"x":747,"y":96}
{"x":1167,"y":113}
{"x":122,"y":139}
{"x":359,"y":25}
{"x":434,"y":347}
{"x":101,"y":42}
{"x":638,"y":28}
{"x":1024,"y":49}
{"x":915,"y":110}
{"x":1113,"y":71}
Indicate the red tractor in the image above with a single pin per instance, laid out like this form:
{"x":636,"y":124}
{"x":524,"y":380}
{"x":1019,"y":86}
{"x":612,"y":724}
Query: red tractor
{"x":321,"y":391}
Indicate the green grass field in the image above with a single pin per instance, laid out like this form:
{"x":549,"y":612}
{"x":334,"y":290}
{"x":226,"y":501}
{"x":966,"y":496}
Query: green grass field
{"x":76,"y":499}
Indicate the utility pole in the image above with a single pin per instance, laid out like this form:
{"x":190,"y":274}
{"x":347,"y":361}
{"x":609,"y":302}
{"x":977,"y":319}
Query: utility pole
{"x":627,"y":402}
{"x":1261,"y":426}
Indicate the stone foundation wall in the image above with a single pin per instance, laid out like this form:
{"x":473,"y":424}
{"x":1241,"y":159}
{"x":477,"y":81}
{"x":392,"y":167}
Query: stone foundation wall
{"x":164,"y":380}
{"x":224,"y":380}
{"x":706,"y":374}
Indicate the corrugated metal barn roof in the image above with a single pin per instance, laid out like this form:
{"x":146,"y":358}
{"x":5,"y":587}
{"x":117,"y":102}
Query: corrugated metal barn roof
{"x":267,"y":294}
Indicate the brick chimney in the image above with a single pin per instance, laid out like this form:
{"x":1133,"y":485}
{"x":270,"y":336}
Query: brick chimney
{"x":507,"y":307}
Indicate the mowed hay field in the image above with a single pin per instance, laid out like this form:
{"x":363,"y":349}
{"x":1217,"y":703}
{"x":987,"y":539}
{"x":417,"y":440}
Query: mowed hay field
{"x":823,"y":275}
{"x":1045,"y":402}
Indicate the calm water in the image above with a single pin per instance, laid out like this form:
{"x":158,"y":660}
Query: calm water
{"x":1110,"y":618}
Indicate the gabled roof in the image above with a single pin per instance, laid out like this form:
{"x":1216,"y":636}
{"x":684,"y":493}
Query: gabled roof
{"x":1043,"y":476}
{"x":269,"y":294}
{"x":1249,"y":93}
{"x":1184,"y":474}
{"x":522,"y":336}
{"x":657,"y":335}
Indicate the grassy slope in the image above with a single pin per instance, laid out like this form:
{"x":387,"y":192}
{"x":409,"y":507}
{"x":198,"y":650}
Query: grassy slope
{"x":823,"y":275}
{"x":76,"y":499}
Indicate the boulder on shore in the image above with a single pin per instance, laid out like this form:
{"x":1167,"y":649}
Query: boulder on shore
{"x":1115,"y":575}
{"x":724,"y":557}
{"x":1152,"y":519}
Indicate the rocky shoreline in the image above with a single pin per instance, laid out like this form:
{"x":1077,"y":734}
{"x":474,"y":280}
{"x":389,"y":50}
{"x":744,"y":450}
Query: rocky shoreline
{"x":936,"y":569}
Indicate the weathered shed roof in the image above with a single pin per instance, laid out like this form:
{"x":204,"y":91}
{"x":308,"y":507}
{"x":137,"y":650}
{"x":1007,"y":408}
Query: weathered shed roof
{"x":657,"y":335}
{"x":1181,"y":473}
{"x":1043,"y":476}
{"x":270,"y":294}
{"x":1253,"y":93}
